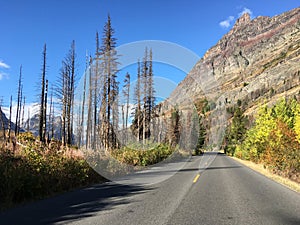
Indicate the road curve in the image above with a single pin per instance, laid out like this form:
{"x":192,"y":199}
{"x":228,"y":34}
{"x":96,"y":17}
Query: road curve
{"x":210,"y":189}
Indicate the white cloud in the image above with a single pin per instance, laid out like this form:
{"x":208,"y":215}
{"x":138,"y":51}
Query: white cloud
{"x":227,"y":23}
{"x":3,"y":75}
{"x":246,"y":10}
{"x":4,"y":65}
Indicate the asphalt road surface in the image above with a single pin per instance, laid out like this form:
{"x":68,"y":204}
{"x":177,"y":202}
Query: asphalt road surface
{"x":211,"y":189}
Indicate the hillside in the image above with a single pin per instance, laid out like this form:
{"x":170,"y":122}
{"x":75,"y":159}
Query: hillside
{"x":4,"y":121}
{"x":256,"y":60}
{"x":34,"y":126}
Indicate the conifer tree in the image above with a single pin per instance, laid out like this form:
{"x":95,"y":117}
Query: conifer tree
{"x":174,"y":127}
{"x":236,"y":132}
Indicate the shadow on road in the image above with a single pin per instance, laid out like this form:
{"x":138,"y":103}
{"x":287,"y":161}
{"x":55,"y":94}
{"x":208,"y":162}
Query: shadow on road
{"x":210,"y":168}
{"x":72,"y":205}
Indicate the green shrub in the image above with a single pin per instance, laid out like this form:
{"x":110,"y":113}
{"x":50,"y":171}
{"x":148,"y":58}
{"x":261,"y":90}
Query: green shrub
{"x":273,"y":139}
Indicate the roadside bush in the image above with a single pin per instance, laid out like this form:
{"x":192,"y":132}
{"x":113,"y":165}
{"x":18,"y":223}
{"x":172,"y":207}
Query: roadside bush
{"x":136,"y":157}
{"x":35,"y":174}
{"x":282,"y":155}
{"x":274,"y":139}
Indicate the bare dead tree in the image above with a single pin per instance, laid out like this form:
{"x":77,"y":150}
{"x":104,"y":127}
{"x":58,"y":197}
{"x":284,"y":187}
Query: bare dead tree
{"x":95,"y":86}
{"x":52,"y":120}
{"x":145,"y":100}
{"x":150,"y":92}
{"x":42,"y":97}
{"x":2,"y":122}
{"x":10,"y":114}
{"x":110,"y":88}
{"x":50,"y":116}
{"x":65,"y":93}
{"x":45,"y":112}
{"x":81,"y":125}
{"x":62,"y":94}
{"x":89,"y":116}
{"x":19,"y":99}
{"x":23,"y":111}
{"x":28,"y":120}
{"x":71,"y":60}
{"x":145,"y":89}
{"x":68,"y":92}
{"x":20,"y":110}
{"x":136,"y":125}
{"x":126,"y":93}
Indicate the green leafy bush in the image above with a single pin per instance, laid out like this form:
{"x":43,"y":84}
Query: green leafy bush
{"x":274,"y":139}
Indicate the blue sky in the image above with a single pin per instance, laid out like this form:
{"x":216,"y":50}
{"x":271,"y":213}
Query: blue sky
{"x":27,"y":25}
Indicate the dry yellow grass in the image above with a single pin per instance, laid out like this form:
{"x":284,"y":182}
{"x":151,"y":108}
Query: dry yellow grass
{"x":260,"y":168}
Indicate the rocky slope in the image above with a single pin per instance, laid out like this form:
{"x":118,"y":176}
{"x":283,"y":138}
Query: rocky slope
{"x":34,"y":126}
{"x":4,"y":122}
{"x":257,"y":61}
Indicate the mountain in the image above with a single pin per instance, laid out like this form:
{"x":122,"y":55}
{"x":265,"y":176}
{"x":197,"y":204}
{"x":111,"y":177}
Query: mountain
{"x":34,"y":126}
{"x":33,"y":121}
{"x":257,"y":59}
{"x":4,"y":121}
{"x":256,"y":62}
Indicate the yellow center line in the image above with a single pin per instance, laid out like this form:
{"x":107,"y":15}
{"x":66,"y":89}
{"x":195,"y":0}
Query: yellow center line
{"x":196,"y":178}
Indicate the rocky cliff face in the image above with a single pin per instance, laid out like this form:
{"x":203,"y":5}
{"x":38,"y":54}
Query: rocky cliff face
{"x":257,"y":61}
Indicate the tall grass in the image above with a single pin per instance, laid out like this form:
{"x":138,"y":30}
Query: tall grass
{"x":33,"y":173}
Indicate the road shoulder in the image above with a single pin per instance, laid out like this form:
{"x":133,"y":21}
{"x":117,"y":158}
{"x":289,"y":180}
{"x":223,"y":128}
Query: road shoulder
{"x":260,"y":169}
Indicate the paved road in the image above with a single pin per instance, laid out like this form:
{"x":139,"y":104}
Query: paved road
{"x":221,"y":191}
